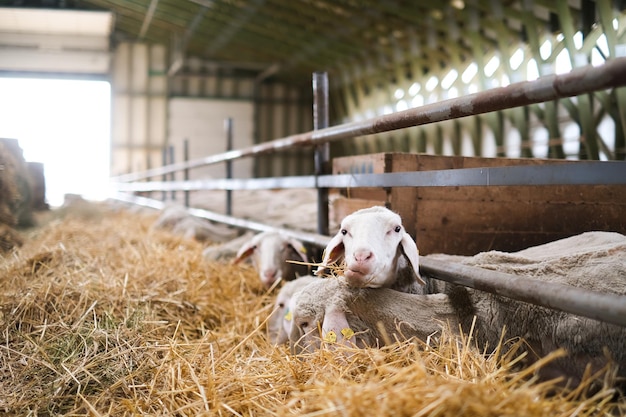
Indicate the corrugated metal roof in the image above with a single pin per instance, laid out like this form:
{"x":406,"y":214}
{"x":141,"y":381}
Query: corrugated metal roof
{"x":290,"y":39}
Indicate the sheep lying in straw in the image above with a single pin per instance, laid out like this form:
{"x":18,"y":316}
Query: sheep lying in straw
{"x":280,"y":320}
{"x":270,"y":253}
{"x":365,"y":316}
{"x":178,"y":220}
{"x":376,"y":250}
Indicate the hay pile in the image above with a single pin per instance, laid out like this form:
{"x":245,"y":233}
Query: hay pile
{"x":101,"y":314}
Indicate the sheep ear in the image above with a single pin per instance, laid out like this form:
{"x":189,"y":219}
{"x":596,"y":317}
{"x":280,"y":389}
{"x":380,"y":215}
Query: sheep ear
{"x":299,"y":248}
{"x":335,"y":328}
{"x":246,"y":250}
{"x":334,"y":250}
{"x":412,"y":254}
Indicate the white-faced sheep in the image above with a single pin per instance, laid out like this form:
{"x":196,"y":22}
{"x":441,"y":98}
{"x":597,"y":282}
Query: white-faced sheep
{"x":270,"y":253}
{"x":350,"y":315}
{"x":279,"y":323}
{"x":377,"y":251}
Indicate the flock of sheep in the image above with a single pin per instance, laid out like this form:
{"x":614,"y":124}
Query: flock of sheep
{"x":375,"y":293}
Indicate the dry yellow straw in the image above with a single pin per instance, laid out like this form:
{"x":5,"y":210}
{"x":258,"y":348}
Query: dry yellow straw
{"x":101,"y":314}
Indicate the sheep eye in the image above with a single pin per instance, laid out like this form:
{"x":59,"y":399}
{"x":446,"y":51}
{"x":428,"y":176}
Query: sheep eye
{"x":304,"y":324}
{"x":281,"y":305}
{"x":344,"y":232}
{"x":397,"y":229}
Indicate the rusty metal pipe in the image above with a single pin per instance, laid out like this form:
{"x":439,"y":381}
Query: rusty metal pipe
{"x":610,"y":308}
{"x":578,"y":81}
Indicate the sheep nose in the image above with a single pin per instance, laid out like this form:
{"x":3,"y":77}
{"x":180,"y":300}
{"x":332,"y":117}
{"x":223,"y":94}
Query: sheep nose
{"x":269,"y":273}
{"x":362,"y":255}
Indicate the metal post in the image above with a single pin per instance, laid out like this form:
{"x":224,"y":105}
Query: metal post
{"x":173,"y":174}
{"x":322,"y":151}
{"x":164,"y":176}
{"x":228,"y":125}
{"x":186,"y":170}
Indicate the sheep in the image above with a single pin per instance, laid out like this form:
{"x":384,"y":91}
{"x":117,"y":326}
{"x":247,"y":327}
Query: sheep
{"x":178,"y":220}
{"x":226,"y":250}
{"x":377,"y":251}
{"x":270,"y":253}
{"x":279,"y":322}
{"x":351,"y":316}
{"x":370,"y":317}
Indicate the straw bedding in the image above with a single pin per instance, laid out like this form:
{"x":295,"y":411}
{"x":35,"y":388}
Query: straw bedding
{"x":101,"y":314}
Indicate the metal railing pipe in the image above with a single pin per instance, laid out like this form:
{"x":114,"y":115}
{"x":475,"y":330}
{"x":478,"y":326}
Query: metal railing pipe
{"x":610,"y":308}
{"x":551,"y":87}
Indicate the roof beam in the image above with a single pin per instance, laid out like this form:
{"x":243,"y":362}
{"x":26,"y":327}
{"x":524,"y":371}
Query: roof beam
{"x":148,"y":19}
{"x":181,"y":45}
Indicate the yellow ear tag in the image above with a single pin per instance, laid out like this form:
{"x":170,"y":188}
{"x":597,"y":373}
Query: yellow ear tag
{"x":347,"y":333}
{"x":302,"y":249}
{"x":331,"y":337}
{"x":288,"y":316}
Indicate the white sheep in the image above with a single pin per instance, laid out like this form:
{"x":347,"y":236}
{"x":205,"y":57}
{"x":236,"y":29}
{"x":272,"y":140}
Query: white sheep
{"x":270,"y":253}
{"x":349,"y":315}
{"x":179,"y":221}
{"x":226,"y":250}
{"x":377,"y":251}
{"x":279,"y":323}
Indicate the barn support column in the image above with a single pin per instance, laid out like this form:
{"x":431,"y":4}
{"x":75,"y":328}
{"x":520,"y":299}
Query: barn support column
{"x":139,"y":107}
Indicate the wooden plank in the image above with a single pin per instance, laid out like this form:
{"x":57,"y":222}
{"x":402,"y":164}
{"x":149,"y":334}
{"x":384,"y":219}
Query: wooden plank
{"x":468,"y":220}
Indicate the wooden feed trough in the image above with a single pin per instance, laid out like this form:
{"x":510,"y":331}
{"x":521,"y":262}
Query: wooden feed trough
{"x":473,"y":219}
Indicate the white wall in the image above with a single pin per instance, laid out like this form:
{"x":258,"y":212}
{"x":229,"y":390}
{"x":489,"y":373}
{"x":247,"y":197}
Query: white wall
{"x":202,"y":123}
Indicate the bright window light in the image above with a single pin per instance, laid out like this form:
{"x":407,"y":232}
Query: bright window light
{"x":492,"y":66}
{"x":469,"y":73}
{"x":414,"y":89}
{"x":417,"y":101}
{"x":603,"y":45}
{"x":578,"y":40}
{"x":398,"y":94}
{"x":532,"y":71}
{"x":402,"y":105}
{"x":453,"y":92}
{"x":449,"y":79}
{"x":596,"y":58}
{"x":431,"y":83}
{"x":64,"y":124}
{"x":545,"y":50}
{"x":563,"y":64}
{"x":516,"y":59}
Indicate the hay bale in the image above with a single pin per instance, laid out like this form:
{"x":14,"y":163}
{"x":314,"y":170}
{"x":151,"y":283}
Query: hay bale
{"x":16,"y":204}
{"x":115,"y":317}
{"x":38,"y":183}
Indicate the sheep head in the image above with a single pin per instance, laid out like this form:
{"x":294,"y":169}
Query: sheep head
{"x":372,"y":243}
{"x":270,"y":252}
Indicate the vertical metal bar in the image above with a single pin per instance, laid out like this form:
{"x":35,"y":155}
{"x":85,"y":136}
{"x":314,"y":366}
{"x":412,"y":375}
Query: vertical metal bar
{"x":322,"y":152}
{"x":173,"y":174}
{"x":186,"y":170}
{"x":164,"y":176}
{"x":228,"y":125}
